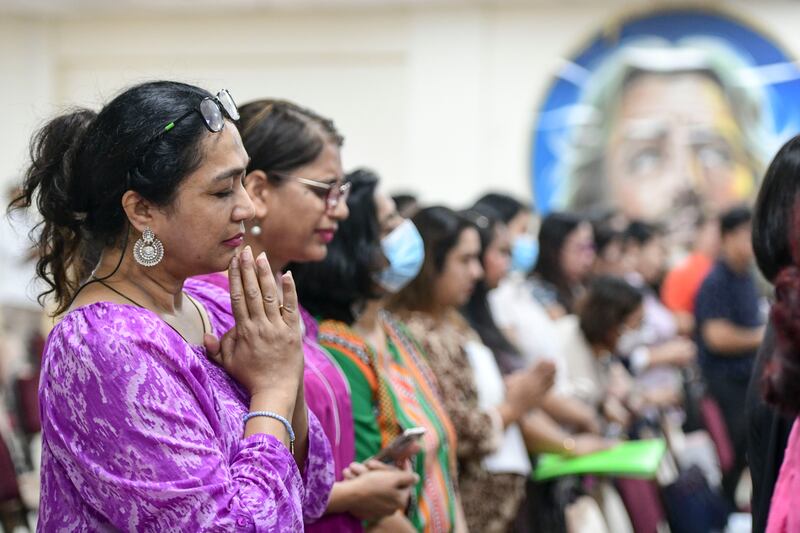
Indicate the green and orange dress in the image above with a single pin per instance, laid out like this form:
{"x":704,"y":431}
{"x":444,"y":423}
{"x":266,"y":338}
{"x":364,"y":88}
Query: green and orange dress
{"x":394,"y":389}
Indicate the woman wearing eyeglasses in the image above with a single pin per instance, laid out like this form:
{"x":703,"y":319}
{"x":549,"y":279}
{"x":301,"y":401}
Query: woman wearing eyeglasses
{"x":167,"y":404}
{"x":374,"y":255}
{"x":295,"y":180}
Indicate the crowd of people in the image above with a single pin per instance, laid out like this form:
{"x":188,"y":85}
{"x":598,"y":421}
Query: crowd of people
{"x":244,"y":331}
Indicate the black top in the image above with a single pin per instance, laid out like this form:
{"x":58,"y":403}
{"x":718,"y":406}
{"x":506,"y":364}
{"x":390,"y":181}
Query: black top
{"x":767,"y":435}
{"x":733,"y":296}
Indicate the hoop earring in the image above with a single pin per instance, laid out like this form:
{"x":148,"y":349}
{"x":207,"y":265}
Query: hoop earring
{"x":148,"y":250}
{"x":255,"y":230}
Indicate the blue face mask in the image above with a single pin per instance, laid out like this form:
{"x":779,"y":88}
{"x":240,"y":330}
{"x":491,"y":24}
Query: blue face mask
{"x":524,"y":252}
{"x":405,"y":251}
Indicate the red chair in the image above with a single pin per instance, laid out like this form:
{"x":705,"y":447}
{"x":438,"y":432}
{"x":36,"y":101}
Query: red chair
{"x":28,"y":395}
{"x":13,"y":511}
{"x":643,"y":502}
{"x":718,"y":431}
{"x":36,"y":349}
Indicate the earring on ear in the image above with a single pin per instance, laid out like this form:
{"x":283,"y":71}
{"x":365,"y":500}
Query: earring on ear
{"x":148,"y":250}
{"x":255,"y":230}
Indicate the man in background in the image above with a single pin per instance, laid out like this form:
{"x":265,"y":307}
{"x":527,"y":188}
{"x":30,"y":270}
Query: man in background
{"x":730,"y":328}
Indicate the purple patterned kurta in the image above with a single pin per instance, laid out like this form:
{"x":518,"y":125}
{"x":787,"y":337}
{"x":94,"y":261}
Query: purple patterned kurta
{"x":141,"y":432}
{"x":328,"y":397}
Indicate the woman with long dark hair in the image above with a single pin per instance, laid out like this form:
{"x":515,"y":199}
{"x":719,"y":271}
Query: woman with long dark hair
{"x":167,"y":404}
{"x":495,"y":259}
{"x":541,"y":432}
{"x":771,"y":424}
{"x":373,"y":255}
{"x":566,"y":255}
{"x":297,"y":185}
{"x":486,"y":410}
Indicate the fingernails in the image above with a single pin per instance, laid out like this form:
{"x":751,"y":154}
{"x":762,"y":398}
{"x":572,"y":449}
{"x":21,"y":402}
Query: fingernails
{"x":235,"y":262}
{"x":261,"y":261}
{"x":247,"y":254}
{"x":288,"y":275}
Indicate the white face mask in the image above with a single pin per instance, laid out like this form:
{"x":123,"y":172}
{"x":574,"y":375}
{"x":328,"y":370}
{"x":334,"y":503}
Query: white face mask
{"x":405,"y":251}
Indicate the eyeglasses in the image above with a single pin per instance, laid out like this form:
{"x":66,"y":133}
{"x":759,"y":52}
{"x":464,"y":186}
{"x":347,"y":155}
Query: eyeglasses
{"x":213,"y":109}
{"x":332,"y":192}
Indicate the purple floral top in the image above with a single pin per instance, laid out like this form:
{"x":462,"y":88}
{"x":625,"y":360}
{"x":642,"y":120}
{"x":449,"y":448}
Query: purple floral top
{"x":141,"y":432}
{"x":328,"y":397}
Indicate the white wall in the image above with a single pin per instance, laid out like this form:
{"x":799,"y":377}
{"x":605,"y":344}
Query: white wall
{"x":25,"y":81}
{"x":439,"y":100}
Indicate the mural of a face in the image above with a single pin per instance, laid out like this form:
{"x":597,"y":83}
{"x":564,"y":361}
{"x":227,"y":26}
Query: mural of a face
{"x":673,"y":135}
{"x":674,"y":147}
{"x":664,"y":116}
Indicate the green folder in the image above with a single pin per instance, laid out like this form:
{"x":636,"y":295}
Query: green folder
{"x":636,"y":459}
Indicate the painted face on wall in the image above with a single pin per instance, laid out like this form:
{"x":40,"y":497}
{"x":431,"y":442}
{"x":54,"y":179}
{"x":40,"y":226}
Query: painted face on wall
{"x":675,"y":149}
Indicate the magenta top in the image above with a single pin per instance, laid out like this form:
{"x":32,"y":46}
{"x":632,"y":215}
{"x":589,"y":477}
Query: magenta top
{"x":328,"y":397}
{"x":142,"y":432}
{"x":784,"y":513}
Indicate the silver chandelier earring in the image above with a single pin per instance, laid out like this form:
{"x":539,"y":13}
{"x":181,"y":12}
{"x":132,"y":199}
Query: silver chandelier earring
{"x":255,"y":230}
{"x":148,"y":250}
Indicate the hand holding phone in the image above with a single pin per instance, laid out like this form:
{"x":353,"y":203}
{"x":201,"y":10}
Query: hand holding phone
{"x":402,"y":447}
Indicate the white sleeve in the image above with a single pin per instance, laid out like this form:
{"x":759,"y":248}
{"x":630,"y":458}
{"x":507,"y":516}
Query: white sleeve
{"x":501,"y":304}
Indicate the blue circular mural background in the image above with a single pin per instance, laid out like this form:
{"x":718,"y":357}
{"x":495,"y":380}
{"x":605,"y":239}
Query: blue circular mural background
{"x":550,"y":135}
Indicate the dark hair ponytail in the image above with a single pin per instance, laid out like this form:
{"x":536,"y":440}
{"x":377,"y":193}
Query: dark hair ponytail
{"x":83,"y":162}
{"x":781,"y":377}
{"x":49,"y":185}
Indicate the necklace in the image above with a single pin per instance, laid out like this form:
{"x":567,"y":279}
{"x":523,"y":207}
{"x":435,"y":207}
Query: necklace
{"x":137,"y":304}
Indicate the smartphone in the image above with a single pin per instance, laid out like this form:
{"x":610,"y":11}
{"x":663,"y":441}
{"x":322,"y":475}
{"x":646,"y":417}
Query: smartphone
{"x":400,"y":448}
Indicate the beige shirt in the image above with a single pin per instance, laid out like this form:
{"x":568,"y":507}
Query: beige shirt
{"x":583,"y":373}
{"x":518,"y":314}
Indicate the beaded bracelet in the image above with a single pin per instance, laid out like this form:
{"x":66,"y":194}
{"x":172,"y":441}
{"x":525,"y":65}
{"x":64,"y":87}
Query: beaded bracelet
{"x":279,"y":418}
